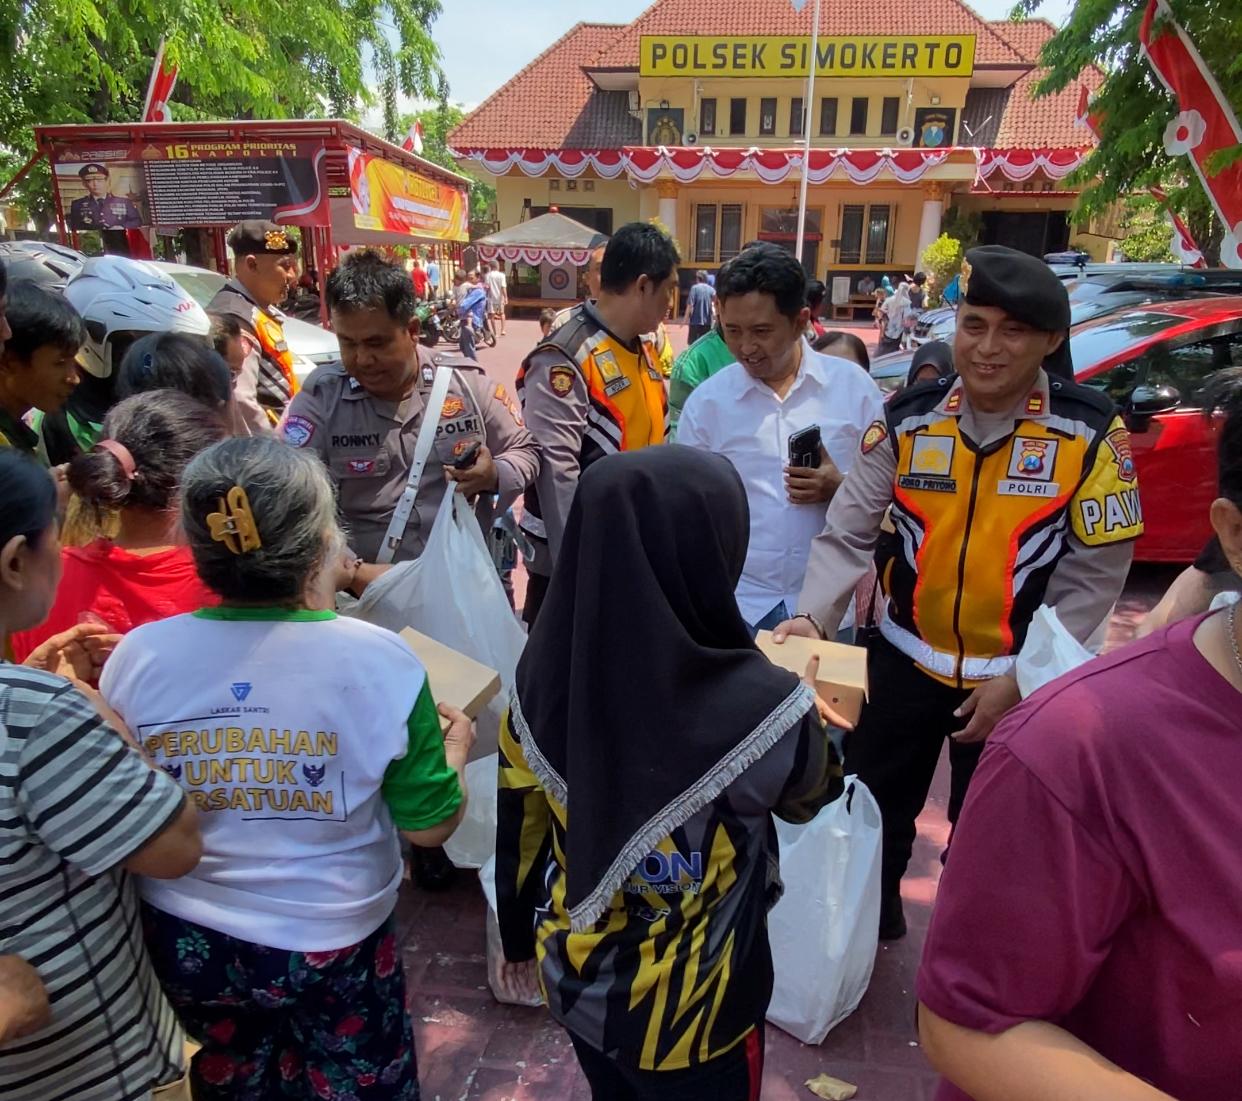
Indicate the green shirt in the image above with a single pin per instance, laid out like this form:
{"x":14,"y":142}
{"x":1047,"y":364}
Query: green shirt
{"x":694,"y":366}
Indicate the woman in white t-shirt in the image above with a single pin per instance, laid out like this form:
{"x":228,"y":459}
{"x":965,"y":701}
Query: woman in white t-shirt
{"x":303,"y":739}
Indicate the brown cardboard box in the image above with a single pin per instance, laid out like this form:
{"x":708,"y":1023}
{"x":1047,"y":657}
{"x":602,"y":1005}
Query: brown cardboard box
{"x":842,"y":679}
{"x":455,"y":679}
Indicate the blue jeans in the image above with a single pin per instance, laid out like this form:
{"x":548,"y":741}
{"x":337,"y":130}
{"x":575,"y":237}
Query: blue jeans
{"x":771,"y":621}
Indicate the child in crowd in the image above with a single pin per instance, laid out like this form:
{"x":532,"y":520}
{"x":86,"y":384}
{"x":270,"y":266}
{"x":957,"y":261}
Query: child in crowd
{"x":38,"y":364}
{"x":546,"y":320}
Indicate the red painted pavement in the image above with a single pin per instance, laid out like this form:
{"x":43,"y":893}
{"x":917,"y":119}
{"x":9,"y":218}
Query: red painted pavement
{"x":471,"y":1049}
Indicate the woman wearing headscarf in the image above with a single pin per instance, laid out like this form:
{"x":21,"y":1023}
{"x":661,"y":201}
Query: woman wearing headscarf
{"x":893,"y":312}
{"x":648,"y":914}
{"x":931,"y":361}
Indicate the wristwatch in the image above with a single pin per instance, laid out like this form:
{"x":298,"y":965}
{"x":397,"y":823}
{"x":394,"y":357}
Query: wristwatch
{"x":819,"y":630}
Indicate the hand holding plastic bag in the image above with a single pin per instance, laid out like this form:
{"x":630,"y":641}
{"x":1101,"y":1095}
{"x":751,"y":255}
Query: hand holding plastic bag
{"x":1049,"y":651}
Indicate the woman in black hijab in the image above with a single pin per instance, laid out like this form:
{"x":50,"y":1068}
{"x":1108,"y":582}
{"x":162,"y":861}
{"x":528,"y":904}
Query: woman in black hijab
{"x":642,"y":697}
{"x":931,"y":361}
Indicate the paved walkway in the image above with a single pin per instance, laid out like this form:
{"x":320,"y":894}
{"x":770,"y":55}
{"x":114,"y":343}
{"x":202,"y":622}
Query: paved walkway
{"x":471,"y":1049}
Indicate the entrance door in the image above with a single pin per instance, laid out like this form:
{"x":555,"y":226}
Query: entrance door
{"x":1032,"y":233}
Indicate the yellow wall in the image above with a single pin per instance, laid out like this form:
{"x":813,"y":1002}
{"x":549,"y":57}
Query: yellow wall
{"x":511,"y":191}
{"x":682,"y":92}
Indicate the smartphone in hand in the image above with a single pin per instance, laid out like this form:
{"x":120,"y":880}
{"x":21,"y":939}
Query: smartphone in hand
{"x":804,"y":447}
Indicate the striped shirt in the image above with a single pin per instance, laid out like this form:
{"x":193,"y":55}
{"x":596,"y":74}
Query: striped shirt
{"x":75,"y":803}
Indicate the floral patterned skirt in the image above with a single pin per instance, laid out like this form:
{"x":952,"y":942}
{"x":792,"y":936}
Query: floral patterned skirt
{"x":324,"y":1026}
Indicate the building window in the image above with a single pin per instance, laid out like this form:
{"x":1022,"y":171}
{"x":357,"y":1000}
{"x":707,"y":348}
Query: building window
{"x":849,"y":248}
{"x":737,"y":116}
{"x":767,"y":116}
{"x":858,"y":115}
{"x":888,"y":115}
{"x":795,"y":118}
{"x":717,"y":225}
{"x":873,"y":248}
{"x":878,"y":219}
{"x":707,"y":117}
{"x":828,"y":117}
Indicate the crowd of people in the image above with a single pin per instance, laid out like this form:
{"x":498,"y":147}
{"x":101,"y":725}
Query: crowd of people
{"x":206,"y":773}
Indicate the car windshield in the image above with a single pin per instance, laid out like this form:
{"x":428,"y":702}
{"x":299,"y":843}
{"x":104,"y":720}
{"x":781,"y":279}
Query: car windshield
{"x":1104,"y":340}
{"x":200,"y":285}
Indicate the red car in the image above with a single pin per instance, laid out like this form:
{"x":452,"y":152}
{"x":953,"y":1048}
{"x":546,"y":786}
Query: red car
{"x":1156,"y":362}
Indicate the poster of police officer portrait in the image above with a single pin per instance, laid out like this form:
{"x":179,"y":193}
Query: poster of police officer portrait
{"x":103,"y":194}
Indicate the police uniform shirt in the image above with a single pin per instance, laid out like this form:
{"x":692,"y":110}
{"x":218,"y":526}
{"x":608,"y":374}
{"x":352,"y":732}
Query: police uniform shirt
{"x":368,"y":445}
{"x":110,"y":212}
{"x":1102,"y":510}
{"x":249,"y":416}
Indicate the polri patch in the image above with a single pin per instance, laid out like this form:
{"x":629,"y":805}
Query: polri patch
{"x":298,"y":431}
{"x":561,"y":379}
{"x":876,"y":434}
{"x":1118,"y":441}
{"x":453,"y":407}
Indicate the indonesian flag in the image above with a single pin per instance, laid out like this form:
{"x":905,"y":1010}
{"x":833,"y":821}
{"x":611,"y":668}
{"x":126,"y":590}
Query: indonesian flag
{"x":1085,"y":116}
{"x":1205,"y":123}
{"x":159,"y":90}
{"x":414,"y":139}
{"x":1183,"y":243}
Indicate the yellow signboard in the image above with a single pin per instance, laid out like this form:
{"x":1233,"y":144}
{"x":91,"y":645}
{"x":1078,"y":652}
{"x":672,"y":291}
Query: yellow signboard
{"x":837,"y":56}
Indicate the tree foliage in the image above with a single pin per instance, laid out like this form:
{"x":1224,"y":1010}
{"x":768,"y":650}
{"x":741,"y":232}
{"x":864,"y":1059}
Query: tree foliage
{"x":1133,"y":106}
{"x":1148,"y":235}
{"x":943,"y":258}
{"x":73,"y":61}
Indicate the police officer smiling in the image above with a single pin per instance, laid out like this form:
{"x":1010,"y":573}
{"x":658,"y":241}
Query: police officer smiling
{"x":363,"y":418}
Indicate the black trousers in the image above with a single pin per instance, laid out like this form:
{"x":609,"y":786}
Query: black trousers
{"x":896,"y":745}
{"x":695,"y":332}
{"x":536,"y":590}
{"x":735,"y":1076}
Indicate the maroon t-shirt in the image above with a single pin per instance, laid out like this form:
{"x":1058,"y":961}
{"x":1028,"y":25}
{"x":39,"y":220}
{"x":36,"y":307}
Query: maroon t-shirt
{"x":1095,"y":879}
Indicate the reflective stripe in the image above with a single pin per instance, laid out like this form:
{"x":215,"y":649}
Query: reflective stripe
{"x":938,"y":662}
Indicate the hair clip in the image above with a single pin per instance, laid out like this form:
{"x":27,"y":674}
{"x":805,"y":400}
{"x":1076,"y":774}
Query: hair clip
{"x":234,"y":524}
{"x":122,"y":454}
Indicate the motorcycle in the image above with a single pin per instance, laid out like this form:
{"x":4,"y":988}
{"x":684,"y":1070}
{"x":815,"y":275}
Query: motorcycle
{"x":430,"y":329}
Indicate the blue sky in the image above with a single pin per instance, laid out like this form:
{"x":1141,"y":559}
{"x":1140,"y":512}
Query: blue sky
{"x":484,"y":42}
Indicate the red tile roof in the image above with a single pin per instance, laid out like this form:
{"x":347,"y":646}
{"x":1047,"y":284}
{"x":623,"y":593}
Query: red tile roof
{"x":538,"y":108}
{"x":554,"y":104}
{"x":1047,"y":123}
{"x":746,"y":17}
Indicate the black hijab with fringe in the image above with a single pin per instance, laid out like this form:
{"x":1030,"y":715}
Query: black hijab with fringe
{"x":641,"y":695}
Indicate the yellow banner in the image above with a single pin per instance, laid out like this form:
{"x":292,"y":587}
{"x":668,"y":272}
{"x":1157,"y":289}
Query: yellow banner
{"x":838,"y":56}
{"x":390,"y":198}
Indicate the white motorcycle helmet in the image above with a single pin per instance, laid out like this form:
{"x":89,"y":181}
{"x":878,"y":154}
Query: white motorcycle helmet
{"x":43,"y":262}
{"x":122,"y":299}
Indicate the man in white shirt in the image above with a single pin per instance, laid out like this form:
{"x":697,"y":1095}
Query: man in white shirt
{"x":749,"y":410}
{"x":497,"y":293}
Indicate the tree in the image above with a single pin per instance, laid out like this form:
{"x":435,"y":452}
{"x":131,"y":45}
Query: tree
{"x":1133,"y":106}
{"x":1147,"y":236}
{"x":73,"y":61}
{"x":943,"y":258}
{"x":438,"y":122}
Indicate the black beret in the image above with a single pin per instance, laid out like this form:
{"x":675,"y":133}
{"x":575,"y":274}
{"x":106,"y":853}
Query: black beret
{"x":258,"y":237}
{"x":1024,"y":287}
{"x":88,"y":169}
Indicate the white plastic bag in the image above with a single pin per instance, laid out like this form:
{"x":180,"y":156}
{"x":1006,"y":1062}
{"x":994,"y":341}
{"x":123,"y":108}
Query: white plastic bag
{"x":452,"y":593}
{"x":473,"y":843}
{"x":1049,"y":651}
{"x":825,"y":929}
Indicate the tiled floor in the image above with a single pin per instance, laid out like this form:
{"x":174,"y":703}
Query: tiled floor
{"x":471,"y":1049}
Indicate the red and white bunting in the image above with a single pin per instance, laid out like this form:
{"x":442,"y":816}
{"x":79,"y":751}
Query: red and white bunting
{"x":1183,"y":243}
{"x":1019,"y":165}
{"x":534,"y":255}
{"x":1205,"y":123}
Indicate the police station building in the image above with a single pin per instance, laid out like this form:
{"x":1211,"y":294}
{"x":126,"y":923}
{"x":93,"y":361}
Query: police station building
{"x":695,"y":113}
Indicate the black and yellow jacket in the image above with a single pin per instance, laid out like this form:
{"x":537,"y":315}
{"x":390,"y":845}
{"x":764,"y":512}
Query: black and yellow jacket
{"x":678,"y":970}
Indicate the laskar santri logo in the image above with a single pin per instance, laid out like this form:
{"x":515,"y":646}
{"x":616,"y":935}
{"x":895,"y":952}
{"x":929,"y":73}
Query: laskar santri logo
{"x":241,"y":690}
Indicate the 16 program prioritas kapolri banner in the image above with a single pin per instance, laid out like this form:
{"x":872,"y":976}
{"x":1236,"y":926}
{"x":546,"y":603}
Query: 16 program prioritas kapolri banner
{"x":390,"y":198}
{"x":837,"y":56}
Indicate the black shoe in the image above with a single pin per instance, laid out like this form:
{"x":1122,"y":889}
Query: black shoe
{"x":431,"y":868}
{"x":892,"y":918}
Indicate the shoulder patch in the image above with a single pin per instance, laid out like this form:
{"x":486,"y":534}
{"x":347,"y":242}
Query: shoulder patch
{"x":453,"y":406}
{"x":561,"y":379}
{"x":297,"y":431}
{"x":1118,"y":441}
{"x":876,"y":434}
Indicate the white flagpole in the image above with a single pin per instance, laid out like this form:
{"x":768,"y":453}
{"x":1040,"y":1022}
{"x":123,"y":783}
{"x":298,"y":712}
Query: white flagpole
{"x":155,"y":72}
{"x":808,"y":113}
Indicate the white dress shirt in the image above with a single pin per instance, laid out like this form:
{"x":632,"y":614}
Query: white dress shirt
{"x":744,"y":420}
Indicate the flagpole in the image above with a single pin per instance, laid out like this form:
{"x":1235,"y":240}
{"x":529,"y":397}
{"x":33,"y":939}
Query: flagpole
{"x":155,"y":72}
{"x":807,"y":115}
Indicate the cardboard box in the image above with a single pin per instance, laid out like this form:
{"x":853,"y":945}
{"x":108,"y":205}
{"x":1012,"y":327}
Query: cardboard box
{"x":455,"y":679}
{"x":842,"y":679}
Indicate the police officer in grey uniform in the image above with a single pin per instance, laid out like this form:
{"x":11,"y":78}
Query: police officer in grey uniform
{"x":363,"y":418}
{"x":99,"y":208}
